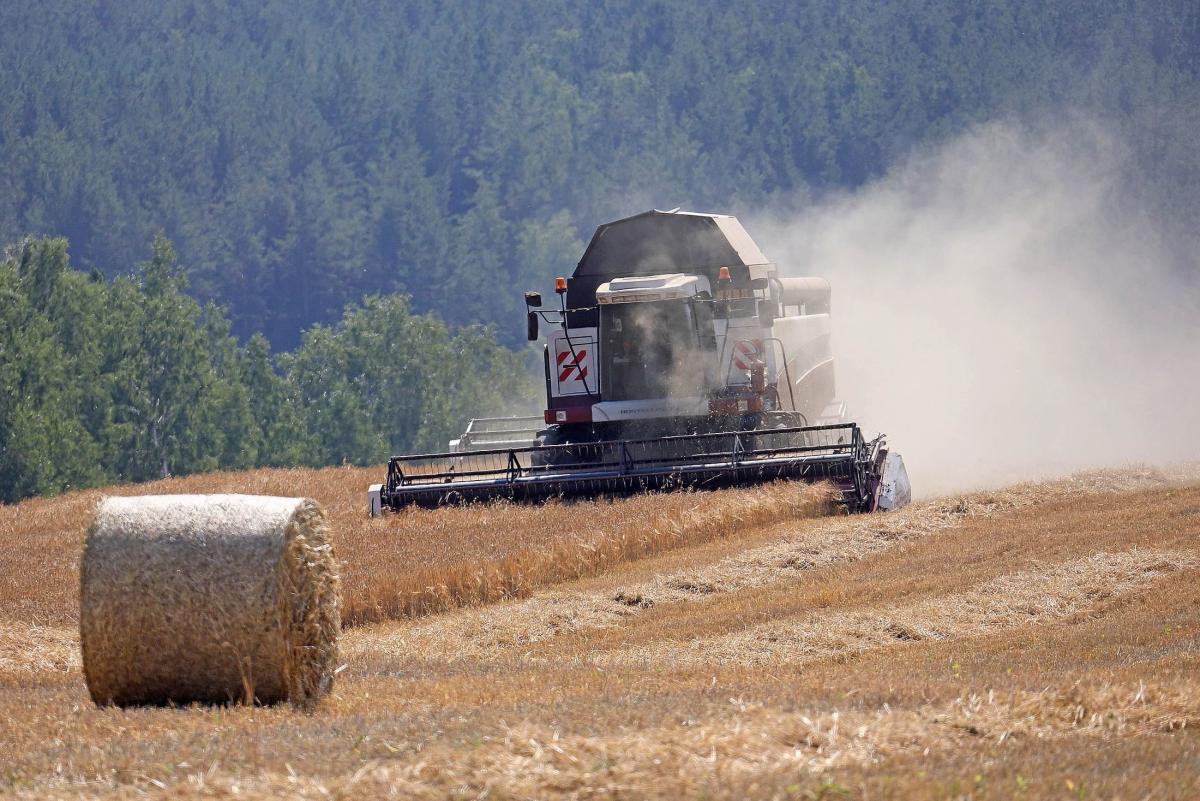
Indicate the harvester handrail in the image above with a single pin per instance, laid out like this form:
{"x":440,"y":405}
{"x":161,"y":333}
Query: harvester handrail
{"x":519,"y":424}
{"x":674,"y":437}
{"x":787,"y":371}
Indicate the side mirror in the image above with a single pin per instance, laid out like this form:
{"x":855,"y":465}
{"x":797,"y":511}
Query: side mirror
{"x":533,"y":300}
{"x":531,"y":325}
{"x":766,"y":313}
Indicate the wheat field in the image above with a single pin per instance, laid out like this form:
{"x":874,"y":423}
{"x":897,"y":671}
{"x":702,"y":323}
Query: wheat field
{"x":416,"y":562}
{"x":1037,"y":641}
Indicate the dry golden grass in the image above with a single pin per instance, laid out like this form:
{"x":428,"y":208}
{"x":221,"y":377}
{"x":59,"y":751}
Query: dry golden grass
{"x":1055,"y":656}
{"x":505,"y":551}
{"x":43,"y":537}
{"x":413,"y":563}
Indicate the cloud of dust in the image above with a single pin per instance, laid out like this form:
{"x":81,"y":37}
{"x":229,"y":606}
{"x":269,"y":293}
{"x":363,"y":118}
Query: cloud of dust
{"x":1006,"y":308}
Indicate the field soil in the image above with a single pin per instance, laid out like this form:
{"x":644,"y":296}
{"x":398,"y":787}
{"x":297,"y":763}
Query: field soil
{"x":1037,"y":641}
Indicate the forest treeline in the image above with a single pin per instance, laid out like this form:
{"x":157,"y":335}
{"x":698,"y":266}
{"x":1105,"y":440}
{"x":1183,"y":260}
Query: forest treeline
{"x":302,"y":154}
{"x":355,"y":188}
{"x":131,"y":380}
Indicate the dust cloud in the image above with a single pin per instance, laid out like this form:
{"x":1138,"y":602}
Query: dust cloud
{"x":1005,"y":307}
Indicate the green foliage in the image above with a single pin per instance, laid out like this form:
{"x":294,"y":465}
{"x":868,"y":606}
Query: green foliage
{"x":303,"y":155}
{"x":274,"y":408}
{"x":134,"y":380}
{"x":387,"y":381}
{"x":44,"y":445}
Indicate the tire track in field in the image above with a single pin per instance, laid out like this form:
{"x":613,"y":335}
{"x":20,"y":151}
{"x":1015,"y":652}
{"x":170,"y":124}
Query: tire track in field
{"x":1017,"y":599}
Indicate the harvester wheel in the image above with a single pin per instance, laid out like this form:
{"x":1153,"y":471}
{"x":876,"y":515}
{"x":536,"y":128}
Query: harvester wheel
{"x":560,"y":457}
{"x":780,"y":420}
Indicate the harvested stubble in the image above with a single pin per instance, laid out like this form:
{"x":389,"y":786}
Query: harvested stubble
{"x":30,"y":648}
{"x":210,"y":598}
{"x":1049,"y":593}
{"x":790,"y":551}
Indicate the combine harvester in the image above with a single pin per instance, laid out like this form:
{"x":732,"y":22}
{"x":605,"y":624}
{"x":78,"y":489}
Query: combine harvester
{"x":677,"y":358}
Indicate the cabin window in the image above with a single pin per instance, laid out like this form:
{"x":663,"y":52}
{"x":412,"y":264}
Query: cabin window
{"x":655,"y":350}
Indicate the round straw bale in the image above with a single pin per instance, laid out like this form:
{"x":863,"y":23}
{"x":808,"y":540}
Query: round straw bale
{"x":211,"y":598}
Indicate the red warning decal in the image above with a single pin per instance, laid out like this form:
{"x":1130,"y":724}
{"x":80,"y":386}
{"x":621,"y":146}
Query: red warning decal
{"x":573,"y":366}
{"x":569,"y":362}
{"x":747,"y":353}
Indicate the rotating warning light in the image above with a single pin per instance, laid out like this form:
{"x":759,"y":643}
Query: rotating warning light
{"x":560,"y":285}
{"x":723,"y":274}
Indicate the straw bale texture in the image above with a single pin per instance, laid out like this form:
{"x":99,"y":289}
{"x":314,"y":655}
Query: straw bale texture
{"x":211,"y":598}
